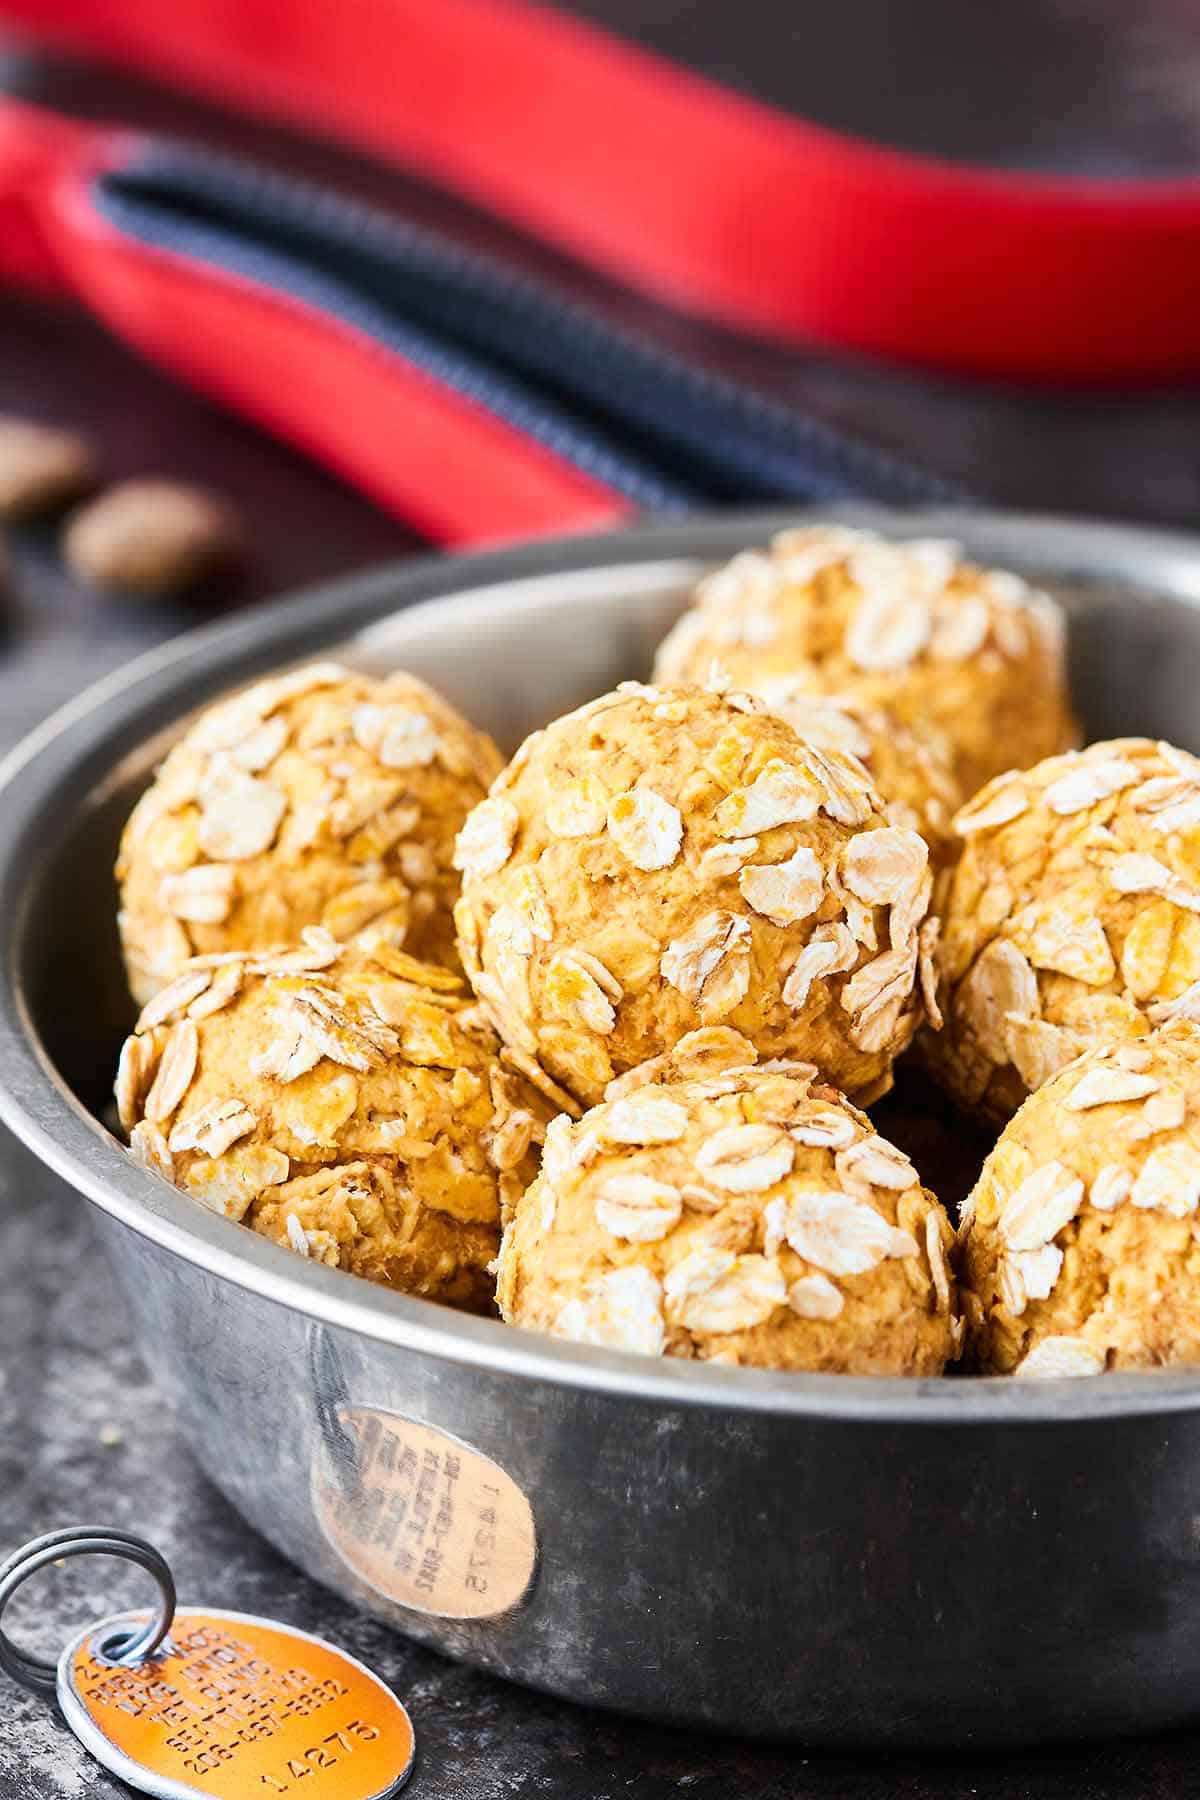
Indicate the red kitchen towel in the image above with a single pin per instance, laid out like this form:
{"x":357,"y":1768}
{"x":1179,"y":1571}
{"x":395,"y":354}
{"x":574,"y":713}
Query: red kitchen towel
{"x":705,"y":197}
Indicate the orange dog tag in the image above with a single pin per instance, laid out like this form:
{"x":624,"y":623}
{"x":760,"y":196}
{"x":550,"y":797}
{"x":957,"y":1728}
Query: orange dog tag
{"x":232,"y":1706}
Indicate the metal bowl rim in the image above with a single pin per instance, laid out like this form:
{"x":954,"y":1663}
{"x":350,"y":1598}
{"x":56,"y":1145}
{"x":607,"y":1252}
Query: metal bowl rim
{"x":38,"y":1107}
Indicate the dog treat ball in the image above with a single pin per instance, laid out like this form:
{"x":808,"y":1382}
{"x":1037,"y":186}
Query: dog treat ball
{"x":318,"y":797}
{"x":970,"y":659}
{"x":668,"y":858}
{"x":1080,"y":1246}
{"x":741,"y":1214}
{"x":345,"y":1102}
{"x":1072,"y":920}
{"x":910,"y":773}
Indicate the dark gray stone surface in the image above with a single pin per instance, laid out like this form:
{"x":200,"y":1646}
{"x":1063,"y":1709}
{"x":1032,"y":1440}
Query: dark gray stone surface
{"x":83,"y":1433}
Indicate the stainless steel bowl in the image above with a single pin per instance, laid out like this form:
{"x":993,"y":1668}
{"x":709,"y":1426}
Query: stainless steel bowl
{"x":841,"y":1559}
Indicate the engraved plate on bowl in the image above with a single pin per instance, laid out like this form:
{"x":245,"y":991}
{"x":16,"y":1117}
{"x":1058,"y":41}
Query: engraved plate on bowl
{"x":424,"y":1519}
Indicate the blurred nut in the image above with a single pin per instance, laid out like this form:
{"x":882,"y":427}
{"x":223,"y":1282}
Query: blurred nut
{"x":40,"y":468}
{"x":153,"y":538}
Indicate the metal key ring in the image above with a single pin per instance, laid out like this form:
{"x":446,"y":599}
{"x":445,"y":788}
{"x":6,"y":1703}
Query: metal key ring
{"x":83,"y":1540}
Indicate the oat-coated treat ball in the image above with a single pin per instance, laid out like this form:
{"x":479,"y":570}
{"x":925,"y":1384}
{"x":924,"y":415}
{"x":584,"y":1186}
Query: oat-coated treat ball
{"x":345,"y":1102}
{"x":1072,"y":920}
{"x":1080,"y":1246}
{"x":910,"y":773}
{"x":970,"y":659}
{"x":318,"y":797}
{"x":714,"y":1209}
{"x":670,"y":858}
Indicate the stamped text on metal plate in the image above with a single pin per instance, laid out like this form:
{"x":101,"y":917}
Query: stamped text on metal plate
{"x":429,"y":1521}
{"x":233,"y":1706}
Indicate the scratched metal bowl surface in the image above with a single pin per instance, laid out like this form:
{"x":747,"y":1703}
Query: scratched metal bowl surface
{"x":839,"y":1559}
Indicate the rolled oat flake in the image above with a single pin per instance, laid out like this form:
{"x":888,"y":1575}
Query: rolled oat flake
{"x":192,"y":1703}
